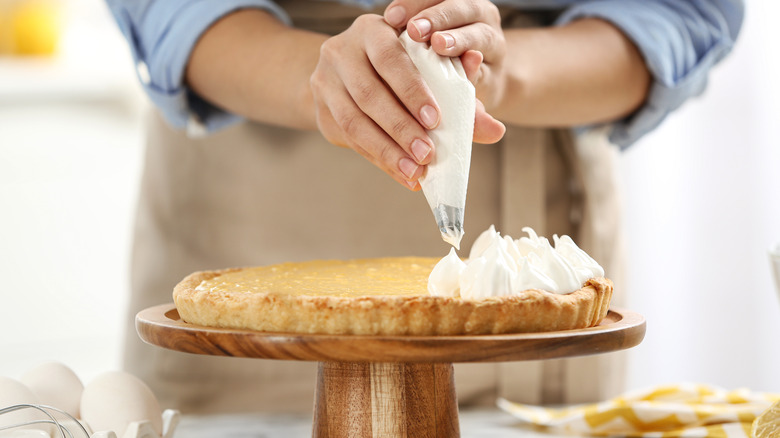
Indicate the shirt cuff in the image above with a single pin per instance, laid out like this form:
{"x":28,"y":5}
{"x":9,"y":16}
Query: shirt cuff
{"x":679,"y":47}
{"x":161,"y":67}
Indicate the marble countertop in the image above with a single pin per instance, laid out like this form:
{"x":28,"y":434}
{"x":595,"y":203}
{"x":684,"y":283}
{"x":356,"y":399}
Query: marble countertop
{"x":482,"y":423}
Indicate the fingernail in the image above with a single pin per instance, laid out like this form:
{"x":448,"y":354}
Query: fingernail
{"x":420,"y":149}
{"x":412,"y":184}
{"x":408,"y":167}
{"x":423,"y":26}
{"x":395,"y":16}
{"x":429,"y":116}
{"x":449,"y":41}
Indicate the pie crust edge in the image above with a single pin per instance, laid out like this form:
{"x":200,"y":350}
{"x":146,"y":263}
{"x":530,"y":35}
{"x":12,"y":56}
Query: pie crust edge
{"x":425,"y":315}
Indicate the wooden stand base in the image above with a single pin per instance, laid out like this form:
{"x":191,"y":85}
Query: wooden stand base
{"x":385,"y":400}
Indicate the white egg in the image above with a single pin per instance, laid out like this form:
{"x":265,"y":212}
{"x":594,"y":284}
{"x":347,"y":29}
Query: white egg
{"x":55,"y":385}
{"x":14,"y":392}
{"x":114,"y":400}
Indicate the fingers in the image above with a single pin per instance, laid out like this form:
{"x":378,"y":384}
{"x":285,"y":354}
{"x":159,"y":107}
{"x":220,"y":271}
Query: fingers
{"x":398,"y":12}
{"x":393,"y":65}
{"x":373,"y":100}
{"x":343,"y":123}
{"x":373,"y":97}
{"x":424,"y":18}
{"x":486,"y":39}
{"x":347,"y":126}
{"x":455,"y":28}
{"x":370,"y":97}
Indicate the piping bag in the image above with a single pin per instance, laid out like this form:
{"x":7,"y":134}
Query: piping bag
{"x":446,"y":178}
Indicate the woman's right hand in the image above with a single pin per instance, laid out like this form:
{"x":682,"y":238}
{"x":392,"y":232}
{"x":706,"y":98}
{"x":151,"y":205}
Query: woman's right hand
{"x":370,"y":97}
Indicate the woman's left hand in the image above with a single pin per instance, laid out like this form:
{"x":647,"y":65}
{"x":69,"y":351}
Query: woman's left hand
{"x":470,"y":30}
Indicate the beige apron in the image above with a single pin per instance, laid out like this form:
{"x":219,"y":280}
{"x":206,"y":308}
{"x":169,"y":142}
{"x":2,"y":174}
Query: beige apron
{"x":255,"y":194}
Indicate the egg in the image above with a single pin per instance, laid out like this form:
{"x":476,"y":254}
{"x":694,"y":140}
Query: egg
{"x":114,"y":400}
{"x":55,"y":385}
{"x":14,"y":392}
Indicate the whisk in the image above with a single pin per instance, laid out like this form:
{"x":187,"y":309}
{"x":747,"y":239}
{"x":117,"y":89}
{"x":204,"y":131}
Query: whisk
{"x":68,"y":427}
{"x":50,"y":414}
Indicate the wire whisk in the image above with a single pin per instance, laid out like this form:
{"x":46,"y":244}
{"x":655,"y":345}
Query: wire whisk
{"x":73,"y":429}
{"x":66,"y":426}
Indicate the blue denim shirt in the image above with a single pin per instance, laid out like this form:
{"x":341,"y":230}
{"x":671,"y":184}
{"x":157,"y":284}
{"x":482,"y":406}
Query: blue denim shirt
{"x":680,"y":40}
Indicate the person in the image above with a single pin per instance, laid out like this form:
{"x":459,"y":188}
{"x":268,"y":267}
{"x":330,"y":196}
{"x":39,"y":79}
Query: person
{"x":251,"y":96}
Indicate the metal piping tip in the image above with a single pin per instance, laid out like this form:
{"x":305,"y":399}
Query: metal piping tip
{"x":452,"y":237}
{"x":450,"y":222}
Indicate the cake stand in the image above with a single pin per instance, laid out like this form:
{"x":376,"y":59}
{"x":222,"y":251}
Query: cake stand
{"x":389,"y":386}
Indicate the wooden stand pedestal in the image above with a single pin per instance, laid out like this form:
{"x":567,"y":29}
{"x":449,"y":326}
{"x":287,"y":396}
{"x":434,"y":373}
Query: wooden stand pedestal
{"x":387,"y":386}
{"x":385,"y":399}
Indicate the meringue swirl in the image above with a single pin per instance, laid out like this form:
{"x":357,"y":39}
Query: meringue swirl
{"x":501,"y":266}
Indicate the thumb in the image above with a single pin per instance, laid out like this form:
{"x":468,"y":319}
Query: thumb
{"x":471,"y":61}
{"x":487,"y":130}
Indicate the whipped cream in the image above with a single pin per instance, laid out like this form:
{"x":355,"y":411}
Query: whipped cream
{"x":501,"y":266}
{"x":446,"y":177}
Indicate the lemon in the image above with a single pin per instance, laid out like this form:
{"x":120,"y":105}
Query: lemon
{"x":35,"y":27}
{"x":6,"y":32}
{"x":767,"y":425}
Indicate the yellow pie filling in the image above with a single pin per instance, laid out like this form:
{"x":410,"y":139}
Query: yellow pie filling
{"x":401,"y":276}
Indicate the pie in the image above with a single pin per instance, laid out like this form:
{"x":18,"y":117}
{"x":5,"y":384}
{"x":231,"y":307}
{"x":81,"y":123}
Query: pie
{"x":381,"y":296}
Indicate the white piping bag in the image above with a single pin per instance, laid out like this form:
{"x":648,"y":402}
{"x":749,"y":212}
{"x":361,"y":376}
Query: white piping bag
{"x":446,"y":178}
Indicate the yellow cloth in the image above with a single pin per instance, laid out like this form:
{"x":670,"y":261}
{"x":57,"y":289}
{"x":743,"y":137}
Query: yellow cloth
{"x":683,"y":410}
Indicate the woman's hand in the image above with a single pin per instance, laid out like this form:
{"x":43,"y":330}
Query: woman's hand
{"x":468,"y":29}
{"x":369,"y":96}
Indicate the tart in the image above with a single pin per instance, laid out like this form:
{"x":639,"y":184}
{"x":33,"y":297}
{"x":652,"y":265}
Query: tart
{"x":381,"y":296}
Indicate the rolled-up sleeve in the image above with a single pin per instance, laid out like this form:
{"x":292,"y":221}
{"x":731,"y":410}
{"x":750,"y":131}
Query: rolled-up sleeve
{"x":680,"y":41}
{"x":161,"y":35}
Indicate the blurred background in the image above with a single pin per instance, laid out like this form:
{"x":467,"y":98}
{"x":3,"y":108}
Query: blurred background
{"x":701,"y":197}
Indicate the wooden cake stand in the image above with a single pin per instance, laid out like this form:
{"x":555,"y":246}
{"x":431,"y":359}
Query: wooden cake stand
{"x":388,"y":386}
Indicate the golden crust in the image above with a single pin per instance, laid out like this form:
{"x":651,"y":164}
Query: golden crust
{"x":417,"y":315}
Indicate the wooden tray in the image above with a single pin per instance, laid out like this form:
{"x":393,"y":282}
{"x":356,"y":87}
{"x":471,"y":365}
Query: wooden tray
{"x":387,"y":385}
